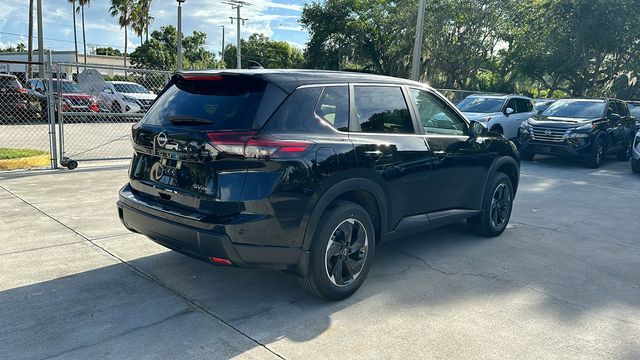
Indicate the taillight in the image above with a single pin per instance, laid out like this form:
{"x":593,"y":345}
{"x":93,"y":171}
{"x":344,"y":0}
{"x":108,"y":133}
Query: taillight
{"x":244,"y":143}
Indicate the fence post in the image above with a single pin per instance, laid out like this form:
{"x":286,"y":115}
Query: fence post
{"x":52,"y":112}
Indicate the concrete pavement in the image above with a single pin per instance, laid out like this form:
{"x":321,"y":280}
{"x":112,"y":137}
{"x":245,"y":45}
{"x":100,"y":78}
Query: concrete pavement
{"x":562,"y":282}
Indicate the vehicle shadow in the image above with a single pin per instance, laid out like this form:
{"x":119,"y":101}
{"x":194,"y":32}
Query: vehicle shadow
{"x":119,"y":307}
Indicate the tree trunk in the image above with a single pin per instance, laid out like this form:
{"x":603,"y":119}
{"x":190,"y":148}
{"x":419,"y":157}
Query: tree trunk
{"x":125,"y":46}
{"x":84,"y":35}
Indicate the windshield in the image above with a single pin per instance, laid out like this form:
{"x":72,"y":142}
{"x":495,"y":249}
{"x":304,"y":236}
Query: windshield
{"x":481,"y":104}
{"x":227,"y":103}
{"x":576,"y":109}
{"x":635,"y":110}
{"x":67,"y":87}
{"x":130,"y":88}
{"x":9,"y":83}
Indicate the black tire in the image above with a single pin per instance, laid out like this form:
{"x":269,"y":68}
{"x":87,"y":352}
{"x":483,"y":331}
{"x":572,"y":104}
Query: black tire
{"x":352,"y":256}
{"x":497,"y":129}
{"x":496,"y":210}
{"x":597,"y":154}
{"x":625,"y":153}
{"x":635,"y":166}
{"x":116,"y":108}
{"x":527,"y":156}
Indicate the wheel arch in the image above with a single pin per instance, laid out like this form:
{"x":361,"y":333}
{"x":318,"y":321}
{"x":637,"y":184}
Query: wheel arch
{"x":509,"y":166}
{"x":361,"y":191}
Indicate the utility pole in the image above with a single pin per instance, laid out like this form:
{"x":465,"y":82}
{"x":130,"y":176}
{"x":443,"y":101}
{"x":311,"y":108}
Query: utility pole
{"x":30,"y":46}
{"x":237,"y":4}
{"x":180,"y":34}
{"x":222,"y":52}
{"x":417,"y":44}
{"x":40,"y":42}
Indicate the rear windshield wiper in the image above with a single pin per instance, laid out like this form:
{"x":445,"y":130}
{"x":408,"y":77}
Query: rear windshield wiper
{"x":181,"y":119}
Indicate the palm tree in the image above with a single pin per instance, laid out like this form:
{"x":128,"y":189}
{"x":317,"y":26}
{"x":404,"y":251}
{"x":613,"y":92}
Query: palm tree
{"x":21,"y":47}
{"x":75,"y":30}
{"x":122,"y":9}
{"x":140,"y":18}
{"x":82,"y":4}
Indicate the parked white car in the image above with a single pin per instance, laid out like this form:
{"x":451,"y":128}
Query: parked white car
{"x":499,"y":113}
{"x":125,"y":97}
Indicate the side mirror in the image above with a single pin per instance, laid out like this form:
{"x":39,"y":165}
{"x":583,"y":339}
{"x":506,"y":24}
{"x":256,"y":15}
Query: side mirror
{"x":108,"y":91}
{"x":477,"y":129}
{"x":508,"y":111}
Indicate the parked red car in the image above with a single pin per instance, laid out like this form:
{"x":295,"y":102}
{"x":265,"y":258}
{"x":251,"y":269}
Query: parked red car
{"x":73,"y":99}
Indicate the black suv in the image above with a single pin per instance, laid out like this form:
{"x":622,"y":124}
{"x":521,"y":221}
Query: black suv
{"x":584,"y":128}
{"x":307,"y":171}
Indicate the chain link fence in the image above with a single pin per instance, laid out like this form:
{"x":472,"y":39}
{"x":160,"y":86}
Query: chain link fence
{"x":96,"y":111}
{"x":25,"y":129}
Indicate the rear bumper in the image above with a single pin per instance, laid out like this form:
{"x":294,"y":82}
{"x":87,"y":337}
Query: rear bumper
{"x":185,"y":235}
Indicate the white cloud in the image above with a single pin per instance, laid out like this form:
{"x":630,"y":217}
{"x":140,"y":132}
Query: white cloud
{"x":293,"y":7}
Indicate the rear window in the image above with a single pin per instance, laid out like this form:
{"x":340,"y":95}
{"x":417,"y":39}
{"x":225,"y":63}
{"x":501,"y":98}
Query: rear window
{"x":216,"y":103}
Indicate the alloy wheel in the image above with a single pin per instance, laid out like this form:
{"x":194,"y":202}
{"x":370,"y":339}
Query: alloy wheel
{"x":346,"y":252}
{"x":500,"y":206}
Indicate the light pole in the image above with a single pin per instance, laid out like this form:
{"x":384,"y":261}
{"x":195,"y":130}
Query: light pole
{"x":237,"y":4}
{"x":180,"y":34}
{"x":417,"y":44}
{"x":40,"y":41}
{"x":222,"y":52}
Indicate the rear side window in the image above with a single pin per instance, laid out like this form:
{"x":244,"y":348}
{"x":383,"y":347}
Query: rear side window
{"x":216,"y":103}
{"x":312,"y":110}
{"x":382,"y":109}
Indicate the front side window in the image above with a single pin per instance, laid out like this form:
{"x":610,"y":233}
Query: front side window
{"x":635,"y":110}
{"x":435,"y":116}
{"x":382,"y":109}
{"x":524,"y":105}
{"x":130,"y":88}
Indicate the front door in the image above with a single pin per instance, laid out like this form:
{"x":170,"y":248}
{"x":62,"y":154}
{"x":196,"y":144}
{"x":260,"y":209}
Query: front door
{"x":385,"y":139}
{"x":459,"y":163}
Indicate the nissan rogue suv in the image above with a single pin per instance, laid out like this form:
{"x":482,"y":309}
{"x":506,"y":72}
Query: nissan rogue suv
{"x":307,"y":171}
{"x":587,"y":129}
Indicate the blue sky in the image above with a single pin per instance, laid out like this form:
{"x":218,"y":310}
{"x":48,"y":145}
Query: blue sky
{"x":275,"y":18}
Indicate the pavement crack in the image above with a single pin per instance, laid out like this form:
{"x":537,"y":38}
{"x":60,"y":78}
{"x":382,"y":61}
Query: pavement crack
{"x":129,"y":331}
{"x":189,"y":301}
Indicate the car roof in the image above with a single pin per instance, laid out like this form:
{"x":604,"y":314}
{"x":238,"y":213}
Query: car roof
{"x":122,"y":82}
{"x":8,"y":75}
{"x":290,"y":79}
{"x":500,"y":96}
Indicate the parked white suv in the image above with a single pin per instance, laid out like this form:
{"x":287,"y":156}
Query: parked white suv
{"x":499,"y":113}
{"x":125,"y":97}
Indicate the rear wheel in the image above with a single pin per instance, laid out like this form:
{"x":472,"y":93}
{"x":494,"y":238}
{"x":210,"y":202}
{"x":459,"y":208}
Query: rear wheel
{"x":625,"y":153}
{"x":496,"y":207}
{"x":497,"y":129}
{"x":635,"y":166}
{"x":597,"y":154}
{"x":341,"y":252}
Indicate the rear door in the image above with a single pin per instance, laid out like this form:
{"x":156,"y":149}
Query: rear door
{"x":384,"y":135}
{"x":459,"y":163}
{"x":189,"y":148}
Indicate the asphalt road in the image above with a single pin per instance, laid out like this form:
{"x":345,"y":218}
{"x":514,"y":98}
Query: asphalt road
{"x":562,"y":282}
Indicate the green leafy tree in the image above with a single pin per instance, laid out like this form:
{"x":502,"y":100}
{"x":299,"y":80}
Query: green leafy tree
{"x":109,"y":51}
{"x":160,"y":51}
{"x":141,"y":18}
{"x":268,"y":53}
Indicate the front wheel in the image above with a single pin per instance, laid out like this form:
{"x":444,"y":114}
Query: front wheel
{"x":496,"y":207}
{"x":341,"y":252}
{"x":597,"y":154}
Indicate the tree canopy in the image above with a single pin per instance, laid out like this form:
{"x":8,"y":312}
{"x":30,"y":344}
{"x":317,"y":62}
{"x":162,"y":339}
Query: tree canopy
{"x":269,"y":53}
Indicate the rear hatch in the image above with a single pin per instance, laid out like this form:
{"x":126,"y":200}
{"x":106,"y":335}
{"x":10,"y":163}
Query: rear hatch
{"x":190,"y":147}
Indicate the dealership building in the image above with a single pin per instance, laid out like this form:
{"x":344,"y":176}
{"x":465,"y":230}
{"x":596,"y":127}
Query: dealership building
{"x":16,"y":63}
